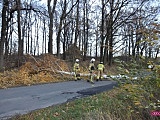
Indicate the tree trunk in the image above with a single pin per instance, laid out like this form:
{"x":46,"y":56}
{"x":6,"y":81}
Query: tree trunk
{"x":64,"y":42}
{"x":97,"y":42}
{"x":51,"y":12}
{"x":44,"y":31}
{"x":102,"y":33}
{"x":106,"y":49}
{"x":58,"y":41}
{"x":3,"y":33}
{"x":77,"y":24}
{"x":29,"y":34}
{"x":84,"y":30}
{"x":20,"y":40}
{"x":50,"y":42}
{"x":60,"y":28}
{"x":111,"y":34}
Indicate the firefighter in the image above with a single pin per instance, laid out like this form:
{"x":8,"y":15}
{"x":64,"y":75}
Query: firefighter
{"x":100,"y":69}
{"x":91,"y":70}
{"x":76,"y":70}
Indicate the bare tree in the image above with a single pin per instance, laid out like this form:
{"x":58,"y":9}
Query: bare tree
{"x":102,"y":31}
{"x":62,"y":18}
{"x":44,"y":46}
{"x":140,"y":30}
{"x":77,"y":24}
{"x":3,"y":33}
{"x":20,"y":40}
{"x":51,"y":11}
{"x":85,"y":29}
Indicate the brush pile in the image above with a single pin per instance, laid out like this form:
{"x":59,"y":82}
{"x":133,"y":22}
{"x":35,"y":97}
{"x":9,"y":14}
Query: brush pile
{"x":36,"y":70}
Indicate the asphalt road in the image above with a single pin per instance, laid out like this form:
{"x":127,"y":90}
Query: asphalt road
{"x":21,"y":100}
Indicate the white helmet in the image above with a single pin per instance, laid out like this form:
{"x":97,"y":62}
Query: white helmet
{"x":92,"y":60}
{"x":150,"y":66}
{"x":77,"y":60}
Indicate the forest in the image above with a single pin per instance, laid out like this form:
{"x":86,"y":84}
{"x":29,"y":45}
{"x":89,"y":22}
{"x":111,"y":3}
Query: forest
{"x":99,"y":28}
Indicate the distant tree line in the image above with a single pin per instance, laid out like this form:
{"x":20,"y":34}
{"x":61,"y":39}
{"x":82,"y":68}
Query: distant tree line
{"x":99,"y":28}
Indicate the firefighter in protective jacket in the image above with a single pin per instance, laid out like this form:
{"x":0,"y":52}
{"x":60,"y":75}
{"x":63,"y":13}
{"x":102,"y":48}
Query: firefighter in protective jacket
{"x":91,"y":69}
{"x":76,"y":70}
{"x":100,"y":69}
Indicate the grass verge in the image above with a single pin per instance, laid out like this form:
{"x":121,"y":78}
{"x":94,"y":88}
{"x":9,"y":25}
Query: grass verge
{"x":134,"y":100}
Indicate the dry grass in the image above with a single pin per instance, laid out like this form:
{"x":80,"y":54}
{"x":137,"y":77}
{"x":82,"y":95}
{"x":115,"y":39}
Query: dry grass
{"x":36,"y":70}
